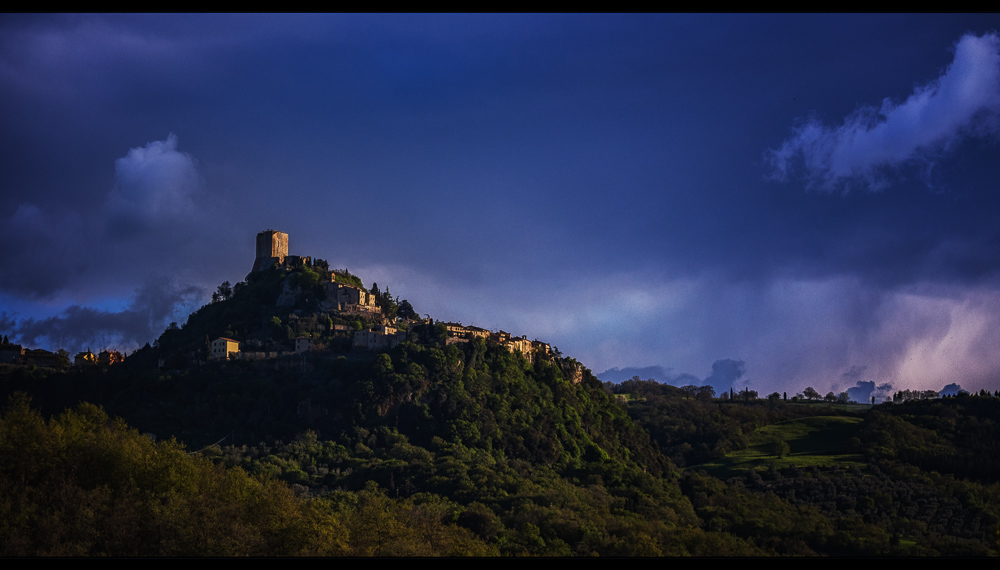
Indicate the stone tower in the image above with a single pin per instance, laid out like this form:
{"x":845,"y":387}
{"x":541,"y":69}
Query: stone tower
{"x":272,"y":247}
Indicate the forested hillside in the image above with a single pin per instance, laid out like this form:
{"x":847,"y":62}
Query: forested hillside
{"x":438,"y":447}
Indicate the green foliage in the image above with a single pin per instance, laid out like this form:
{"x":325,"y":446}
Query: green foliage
{"x":83,"y":484}
{"x":780,"y":448}
{"x":417,"y":526}
{"x":817,"y":440}
{"x":960,"y":436}
{"x":406,"y":311}
{"x":345,"y":277}
{"x":692,"y":429}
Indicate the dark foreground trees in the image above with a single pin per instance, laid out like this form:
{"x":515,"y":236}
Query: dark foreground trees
{"x":83,"y":484}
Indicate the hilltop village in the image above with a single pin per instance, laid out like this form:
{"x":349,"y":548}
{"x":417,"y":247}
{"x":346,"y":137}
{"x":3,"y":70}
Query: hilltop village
{"x":345,"y":296}
{"x":308,"y":308}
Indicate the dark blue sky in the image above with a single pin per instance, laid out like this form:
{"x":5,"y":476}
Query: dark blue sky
{"x":812,"y":195}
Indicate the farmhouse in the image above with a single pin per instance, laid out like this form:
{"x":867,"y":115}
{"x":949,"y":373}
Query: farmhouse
{"x":222,"y":347}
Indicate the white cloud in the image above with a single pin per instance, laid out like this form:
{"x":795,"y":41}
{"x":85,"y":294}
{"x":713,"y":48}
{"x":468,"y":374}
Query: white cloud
{"x":155,"y":183}
{"x":963,"y":101}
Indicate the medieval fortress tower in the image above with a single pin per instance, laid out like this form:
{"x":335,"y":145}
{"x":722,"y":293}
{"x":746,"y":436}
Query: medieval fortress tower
{"x":272,"y":247}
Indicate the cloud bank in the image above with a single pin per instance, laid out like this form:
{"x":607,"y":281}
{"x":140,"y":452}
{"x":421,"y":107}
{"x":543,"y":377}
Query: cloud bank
{"x":78,"y":327}
{"x":964,"y":101}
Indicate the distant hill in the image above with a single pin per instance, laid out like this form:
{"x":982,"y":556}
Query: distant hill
{"x":658,"y":373}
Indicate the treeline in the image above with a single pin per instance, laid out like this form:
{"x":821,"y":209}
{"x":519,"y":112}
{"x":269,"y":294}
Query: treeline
{"x":934,"y":514}
{"x":958,"y":435}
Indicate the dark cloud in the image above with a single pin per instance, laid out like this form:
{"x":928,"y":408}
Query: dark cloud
{"x":42,"y":251}
{"x":154,"y":305}
{"x":862,"y":392}
{"x":952,"y":389}
{"x":726,"y":375}
{"x":618,"y":375}
{"x":855,"y":372}
{"x":658,"y":373}
{"x":8,"y":324}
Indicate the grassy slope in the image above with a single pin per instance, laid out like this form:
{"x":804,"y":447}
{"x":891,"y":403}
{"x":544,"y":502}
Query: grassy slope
{"x":819,"y":440}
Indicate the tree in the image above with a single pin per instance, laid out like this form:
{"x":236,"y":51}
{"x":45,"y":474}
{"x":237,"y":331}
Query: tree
{"x":277,"y":328}
{"x":780,"y":448}
{"x":406,"y":311}
{"x":811,"y":394}
{"x":63,"y":358}
{"x":705,"y":393}
{"x":225,"y":291}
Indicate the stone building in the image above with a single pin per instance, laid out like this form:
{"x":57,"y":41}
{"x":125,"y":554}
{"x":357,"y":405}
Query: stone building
{"x":378,"y":338}
{"x":461,"y":331}
{"x":272,"y":248}
{"x":343,"y":297}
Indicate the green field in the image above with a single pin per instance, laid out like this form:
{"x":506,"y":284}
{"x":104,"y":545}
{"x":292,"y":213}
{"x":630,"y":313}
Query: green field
{"x":852,"y":407}
{"x":818,"y":440}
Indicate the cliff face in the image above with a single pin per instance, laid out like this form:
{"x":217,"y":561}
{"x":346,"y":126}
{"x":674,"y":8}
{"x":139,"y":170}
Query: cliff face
{"x":289,"y":294}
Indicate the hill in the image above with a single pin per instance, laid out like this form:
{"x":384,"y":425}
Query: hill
{"x":454,"y":440}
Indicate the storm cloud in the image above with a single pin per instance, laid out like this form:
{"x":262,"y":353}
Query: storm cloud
{"x":79,"y":327}
{"x":148,"y":216}
{"x":595,"y":182}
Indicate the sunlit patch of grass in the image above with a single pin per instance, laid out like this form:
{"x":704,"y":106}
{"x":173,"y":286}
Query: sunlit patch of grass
{"x":819,"y":440}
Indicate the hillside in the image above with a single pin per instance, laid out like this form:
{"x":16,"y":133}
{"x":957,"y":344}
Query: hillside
{"x":456,"y":441}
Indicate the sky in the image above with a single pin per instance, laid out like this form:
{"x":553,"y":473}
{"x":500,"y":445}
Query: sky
{"x":763,"y":201}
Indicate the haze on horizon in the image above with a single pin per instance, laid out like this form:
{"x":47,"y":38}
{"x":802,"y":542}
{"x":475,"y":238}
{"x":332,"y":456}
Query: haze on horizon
{"x":777,"y":201}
